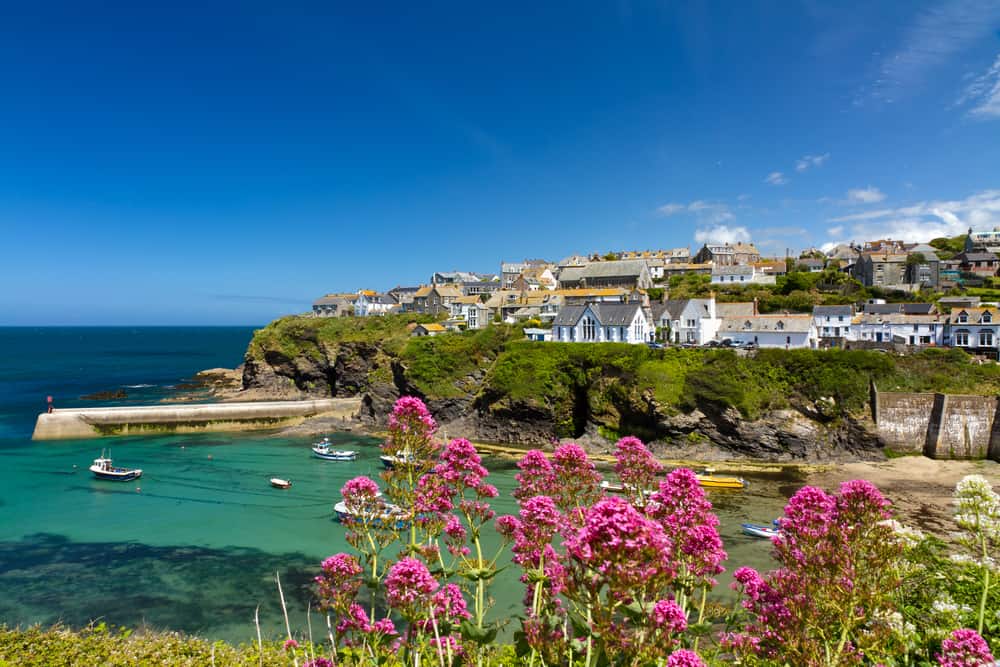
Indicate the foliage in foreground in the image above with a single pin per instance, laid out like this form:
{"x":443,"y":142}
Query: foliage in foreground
{"x":609,"y":581}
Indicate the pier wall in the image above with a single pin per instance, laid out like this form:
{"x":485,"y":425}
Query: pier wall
{"x":942,"y":426}
{"x":186,"y":418}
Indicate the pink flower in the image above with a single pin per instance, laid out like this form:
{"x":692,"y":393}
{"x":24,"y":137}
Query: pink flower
{"x":506,"y":525}
{"x":539,"y":523}
{"x":359,"y":491}
{"x":410,"y":413}
{"x":964,"y":648}
{"x":408,"y":586}
{"x":684,"y":658}
{"x":339,"y":582}
{"x":618,"y":547}
{"x":636,"y":467}
{"x":318,"y":662}
{"x":385,"y":627}
{"x":290,"y":644}
{"x":354,"y":620}
{"x":449,"y":605}
{"x":682,"y":509}
{"x":667,"y":615}
{"x":577,"y":482}
{"x":536,"y":478}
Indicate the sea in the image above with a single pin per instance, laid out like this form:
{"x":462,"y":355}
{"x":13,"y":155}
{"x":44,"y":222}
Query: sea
{"x":195,"y":545}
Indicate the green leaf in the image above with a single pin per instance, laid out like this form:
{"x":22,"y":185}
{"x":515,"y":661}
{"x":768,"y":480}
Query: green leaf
{"x":478,"y":635}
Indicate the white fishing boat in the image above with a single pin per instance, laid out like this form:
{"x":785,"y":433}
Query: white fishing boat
{"x":279,"y":483}
{"x":322,"y":450}
{"x":386,"y":514}
{"x":103,"y":468}
{"x":390,"y":461}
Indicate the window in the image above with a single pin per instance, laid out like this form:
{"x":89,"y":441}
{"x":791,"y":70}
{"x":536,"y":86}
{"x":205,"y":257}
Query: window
{"x":963,"y":317}
{"x":780,"y":326}
{"x":985,"y":339}
{"x":916,"y":328}
{"x":987,"y":317}
{"x":962,"y":338}
{"x":589,"y":329}
{"x":691,"y":324}
{"x":747,"y":325}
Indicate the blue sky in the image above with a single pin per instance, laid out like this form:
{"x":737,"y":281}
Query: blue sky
{"x":226,"y":164}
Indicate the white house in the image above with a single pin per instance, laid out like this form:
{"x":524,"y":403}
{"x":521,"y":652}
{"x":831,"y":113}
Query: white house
{"x":603,"y":323}
{"x":747,"y":274}
{"x":697,"y":322}
{"x":371,"y":303}
{"x":974,"y":329}
{"x":902,"y":328}
{"x":782,"y":331}
{"x":833,"y":323}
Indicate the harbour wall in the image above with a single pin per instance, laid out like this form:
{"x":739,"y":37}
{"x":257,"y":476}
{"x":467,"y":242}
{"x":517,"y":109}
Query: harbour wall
{"x":82,"y":423}
{"x":940,"y":426}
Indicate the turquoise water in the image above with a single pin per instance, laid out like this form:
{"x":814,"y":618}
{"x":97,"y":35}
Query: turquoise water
{"x":195,"y":543}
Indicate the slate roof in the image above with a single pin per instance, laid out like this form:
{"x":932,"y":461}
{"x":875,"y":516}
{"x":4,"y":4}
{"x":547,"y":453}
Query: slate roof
{"x":616,"y":269}
{"x":833,"y":311}
{"x":737,"y":309}
{"x":767,"y":324}
{"x":608,"y":314}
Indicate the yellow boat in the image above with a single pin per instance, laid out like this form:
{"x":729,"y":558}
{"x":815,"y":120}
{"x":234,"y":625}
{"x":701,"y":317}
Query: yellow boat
{"x":709,"y":480}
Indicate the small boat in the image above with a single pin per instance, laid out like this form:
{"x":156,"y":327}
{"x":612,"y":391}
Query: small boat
{"x":617,"y":487}
{"x":390,"y":461}
{"x":759,"y":530}
{"x":388,"y":514}
{"x":707,"y":479}
{"x":279,"y":483}
{"x":321,"y":450}
{"x":104,"y":469}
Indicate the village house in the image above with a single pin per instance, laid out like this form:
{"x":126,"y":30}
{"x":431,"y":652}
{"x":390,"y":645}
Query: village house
{"x":922,"y":266}
{"x":624,"y":273}
{"x":881,"y":269}
{"x":404,"y":297}
{"x":334,"y":305}
{"x":976,"y":330}
{"x":478,"y":287}
{"x":602,"y":322}
{"x":728,"y":254}
{"x":983,"y":241}
{"x":745,"y":274}
{"x":786,"y":331}
{"x":833,"y":324}
{"x":679,"y":269}
{"x":811,"y":265}
{"x":431,"y":329}
{"x":916,"y":329}
{"x":693,"y":321}
{"x":978,"y":264}
{"x":372,"y":303}
{"x":535,"y":278}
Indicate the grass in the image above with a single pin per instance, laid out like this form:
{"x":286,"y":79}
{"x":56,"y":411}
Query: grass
{"x":298,"y":335}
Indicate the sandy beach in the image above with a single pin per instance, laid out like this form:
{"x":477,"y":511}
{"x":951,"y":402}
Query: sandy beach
{"x":920,"y":488}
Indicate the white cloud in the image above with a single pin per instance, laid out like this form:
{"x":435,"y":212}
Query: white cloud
{"x":722,"y":234}
{"x":836,"y":231}
{"x":924,"y":221}
{"x":984,"y":93}
{"x":809,"y":161}
{"x":776,"y":178}
{"x":706,"y":212}
{"x":869,"y":195}
{"x":938,"y":33}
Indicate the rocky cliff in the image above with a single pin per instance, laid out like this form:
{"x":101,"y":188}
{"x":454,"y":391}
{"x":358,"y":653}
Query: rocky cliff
{"x":494,"y":388}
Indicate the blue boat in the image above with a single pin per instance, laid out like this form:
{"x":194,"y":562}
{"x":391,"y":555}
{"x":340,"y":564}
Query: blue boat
{"x":104,"y":469}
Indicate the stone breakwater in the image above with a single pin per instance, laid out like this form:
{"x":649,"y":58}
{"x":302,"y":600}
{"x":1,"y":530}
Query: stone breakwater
{"x":191,"y":418}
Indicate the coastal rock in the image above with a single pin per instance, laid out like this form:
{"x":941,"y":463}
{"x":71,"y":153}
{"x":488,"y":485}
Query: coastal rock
{"x":110,"y":395}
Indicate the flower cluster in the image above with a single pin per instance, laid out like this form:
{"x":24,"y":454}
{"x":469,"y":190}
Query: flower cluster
{"x":409,"y":586}
{"x":636,"y":467}
{"x":839,"y":561}
{"x":339,"y":583}
{"x":964,"y":648}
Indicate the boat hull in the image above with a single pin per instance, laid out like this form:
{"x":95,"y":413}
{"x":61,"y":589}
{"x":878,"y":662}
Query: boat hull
{"x":336,"y":456}
{"x":124,"y":476}
{"x":757,"y":530}
{"x":281,"y":483}
{"x":708,"y":482}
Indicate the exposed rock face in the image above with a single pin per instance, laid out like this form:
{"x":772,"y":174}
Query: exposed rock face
{"x":604,"y":407}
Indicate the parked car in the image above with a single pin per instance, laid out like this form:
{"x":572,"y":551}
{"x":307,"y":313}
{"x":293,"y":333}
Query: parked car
{"x":727,"y":342}
{"x":655,"y":346}
{"x":749,"y":345}
{"x":712,"y":343}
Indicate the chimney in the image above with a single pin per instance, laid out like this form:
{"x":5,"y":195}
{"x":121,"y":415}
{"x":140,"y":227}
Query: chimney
{"x":755,"y":306}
